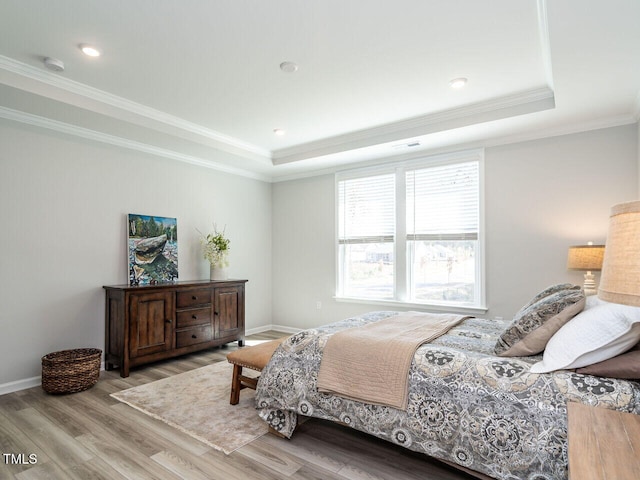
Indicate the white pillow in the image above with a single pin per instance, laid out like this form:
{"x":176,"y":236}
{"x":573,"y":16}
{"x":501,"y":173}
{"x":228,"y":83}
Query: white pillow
{"x":593,"y":301}
{"x":594,"y":335}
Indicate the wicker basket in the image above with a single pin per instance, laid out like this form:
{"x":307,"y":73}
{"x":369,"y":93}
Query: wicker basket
{"x":70,"y":371}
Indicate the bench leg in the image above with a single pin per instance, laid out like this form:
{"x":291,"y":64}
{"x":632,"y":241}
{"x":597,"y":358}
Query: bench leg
{"x":235,"y":385}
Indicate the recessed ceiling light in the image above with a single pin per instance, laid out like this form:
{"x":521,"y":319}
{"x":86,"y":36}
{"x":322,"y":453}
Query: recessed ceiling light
{"x":289,"y":67}
{"x":458,"y":82}
{"x":90,"y":51}
{"x":279,"y":131}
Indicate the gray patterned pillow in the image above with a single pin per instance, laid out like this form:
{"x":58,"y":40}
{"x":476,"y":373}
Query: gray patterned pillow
{"x":535,"y":323}
{"x":545,"y":293}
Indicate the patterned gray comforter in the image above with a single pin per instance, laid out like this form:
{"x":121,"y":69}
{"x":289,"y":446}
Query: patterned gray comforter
{"x":466,"y":406}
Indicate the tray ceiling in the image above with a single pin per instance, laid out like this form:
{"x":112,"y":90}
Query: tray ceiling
{"x":201,"y":81}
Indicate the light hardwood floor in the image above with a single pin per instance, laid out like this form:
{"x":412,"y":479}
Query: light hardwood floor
{"x":89,"y":435}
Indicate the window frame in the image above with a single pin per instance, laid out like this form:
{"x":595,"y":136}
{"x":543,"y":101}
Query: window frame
{"x":401,"y":277}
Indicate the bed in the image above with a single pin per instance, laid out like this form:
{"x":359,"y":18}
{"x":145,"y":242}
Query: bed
{"x":466,"y":406}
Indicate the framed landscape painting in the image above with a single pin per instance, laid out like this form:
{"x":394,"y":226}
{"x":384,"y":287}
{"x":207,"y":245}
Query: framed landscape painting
{"x":152,"y":249}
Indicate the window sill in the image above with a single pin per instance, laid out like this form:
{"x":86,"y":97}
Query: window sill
{"x":420,"y":306}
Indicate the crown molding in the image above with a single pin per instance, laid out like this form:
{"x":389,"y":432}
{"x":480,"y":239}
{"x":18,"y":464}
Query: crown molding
{"x":558,"y":131}
{"x":502,"y":107}
{"x":515,"y":104}
{"x":495,"y":141}
{"x":545,"y":44}
{"x":100,"y":96}
{"x":93,"y":135}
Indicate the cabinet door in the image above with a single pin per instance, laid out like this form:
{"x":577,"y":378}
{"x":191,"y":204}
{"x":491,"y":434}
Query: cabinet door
{"x":151,"y":329}
{"x":229,"y":311}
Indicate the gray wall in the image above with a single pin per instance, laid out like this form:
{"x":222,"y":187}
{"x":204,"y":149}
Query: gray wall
{"x":63,"y":204}
{"x":545,"y":195}
{"x":63,"y":207}
{"x":541,"y":197}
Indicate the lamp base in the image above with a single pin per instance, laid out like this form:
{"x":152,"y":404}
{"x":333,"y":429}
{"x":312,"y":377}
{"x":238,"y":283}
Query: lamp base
{"x":589,"y":286}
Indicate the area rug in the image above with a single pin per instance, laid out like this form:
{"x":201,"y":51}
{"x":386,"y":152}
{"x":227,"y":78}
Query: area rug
{"x":197,"y":403}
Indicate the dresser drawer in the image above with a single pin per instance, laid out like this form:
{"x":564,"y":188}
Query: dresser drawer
{"x":191,"y":298}
{"x":195,"y":335}
{"x":193,"y":317}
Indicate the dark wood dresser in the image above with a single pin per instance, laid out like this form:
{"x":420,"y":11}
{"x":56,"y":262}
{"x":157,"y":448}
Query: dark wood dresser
{"x":154,"y":322}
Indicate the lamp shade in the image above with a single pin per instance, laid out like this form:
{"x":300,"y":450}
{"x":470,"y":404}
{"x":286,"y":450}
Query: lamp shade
{"x":585,"y":257}
{"x":620,"y":280}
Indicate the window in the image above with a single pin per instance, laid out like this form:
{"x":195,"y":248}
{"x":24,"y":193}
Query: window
{"x":411,"y":232}
{"x":366,"y":223}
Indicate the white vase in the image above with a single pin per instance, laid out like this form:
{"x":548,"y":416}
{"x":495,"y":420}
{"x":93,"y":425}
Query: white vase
{"x":218,"y":273}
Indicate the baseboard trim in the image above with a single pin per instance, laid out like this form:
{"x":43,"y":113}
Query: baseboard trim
{"x":20,"y":385}
{"x":277,"y":328}
{"x":25,"y":383}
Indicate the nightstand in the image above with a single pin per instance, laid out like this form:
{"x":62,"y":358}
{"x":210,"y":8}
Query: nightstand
{"x":603,"y":444}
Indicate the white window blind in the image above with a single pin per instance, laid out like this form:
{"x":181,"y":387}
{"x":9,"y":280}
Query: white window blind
{"x":366,"y":236}
{"x":442,"y":202}
{"x":411,"y":232}
{"x":366,"y":209}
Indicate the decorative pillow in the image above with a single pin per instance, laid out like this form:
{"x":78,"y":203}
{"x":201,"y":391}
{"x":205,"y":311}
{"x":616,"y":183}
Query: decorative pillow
{"x":534,"y":325}
{"x":545,"y":293}
{"x":625,"y":366}
{"x":593,"y":336}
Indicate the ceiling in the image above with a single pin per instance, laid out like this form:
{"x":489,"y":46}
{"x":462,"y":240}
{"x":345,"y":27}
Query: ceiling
{"x":200,"y":81}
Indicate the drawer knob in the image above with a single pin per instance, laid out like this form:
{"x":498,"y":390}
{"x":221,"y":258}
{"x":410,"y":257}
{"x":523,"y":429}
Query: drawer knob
{"x":195,"y":317}
{"x":193,"y":297}
{"x":168,"y":320}
{"x":194,"y":336}
{"x":216,"y":313}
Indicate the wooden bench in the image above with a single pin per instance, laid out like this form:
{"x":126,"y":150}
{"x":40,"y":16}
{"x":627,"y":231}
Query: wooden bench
{"x":254,"y":357}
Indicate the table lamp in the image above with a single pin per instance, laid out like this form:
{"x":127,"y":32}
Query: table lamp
{"x":620,"y":282}
{"x":586,"y":257}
